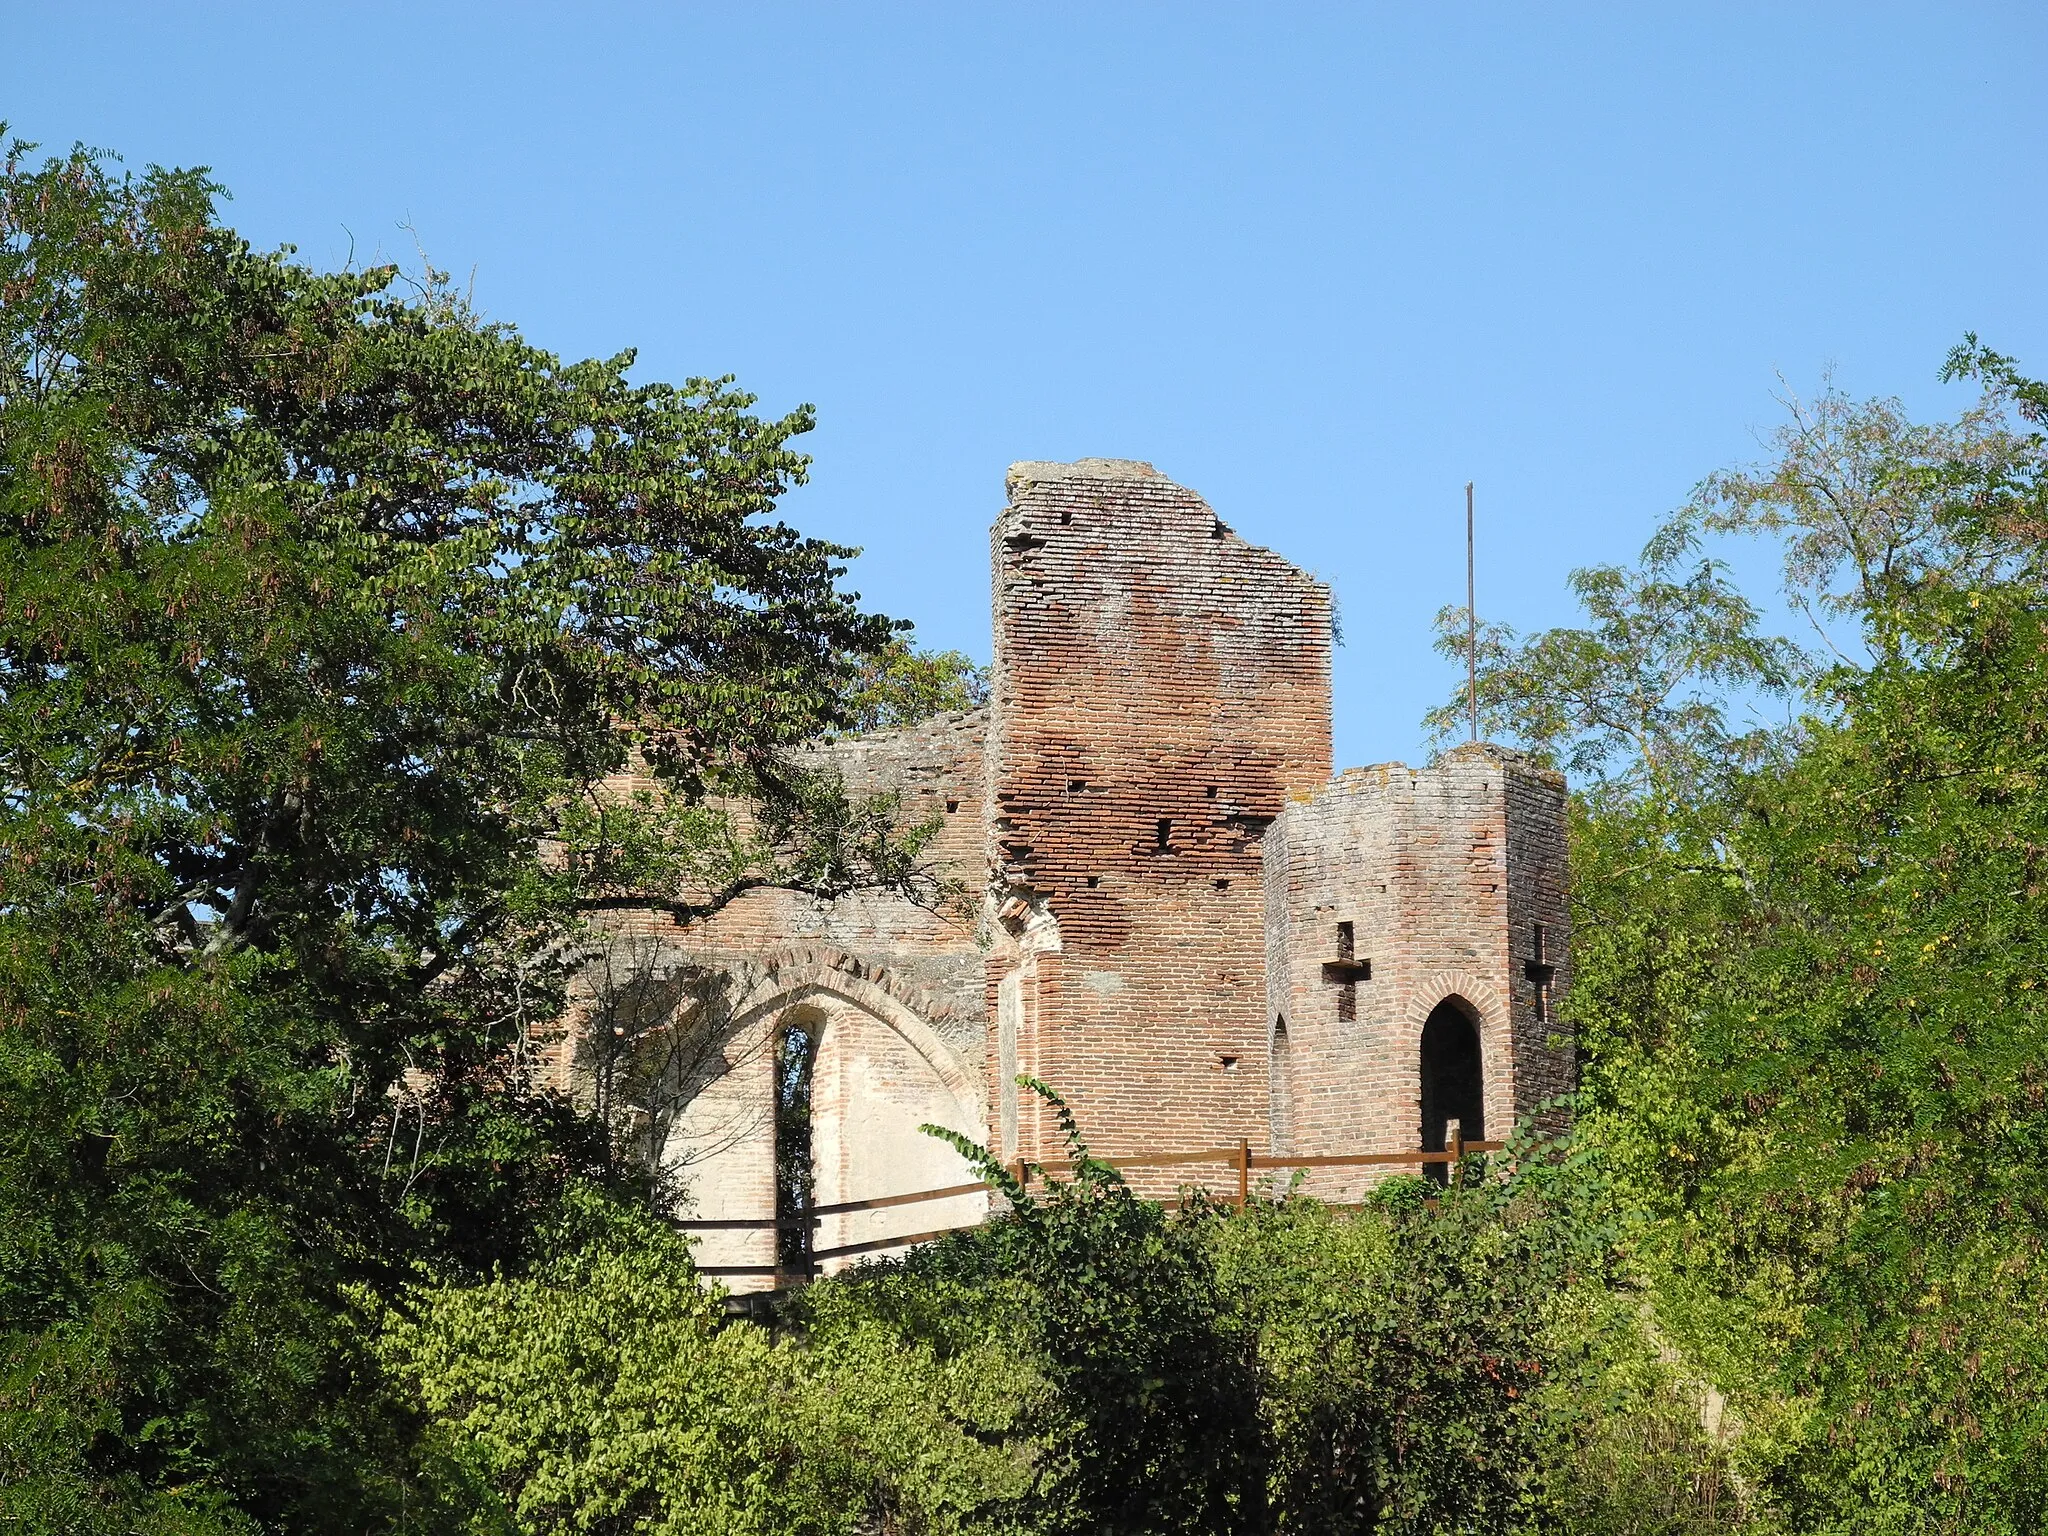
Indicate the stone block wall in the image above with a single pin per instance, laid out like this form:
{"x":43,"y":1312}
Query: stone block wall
{"x":1160,"y":687}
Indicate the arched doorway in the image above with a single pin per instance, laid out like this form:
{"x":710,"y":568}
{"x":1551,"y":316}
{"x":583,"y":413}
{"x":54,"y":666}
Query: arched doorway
{"x":1453,"y":1077}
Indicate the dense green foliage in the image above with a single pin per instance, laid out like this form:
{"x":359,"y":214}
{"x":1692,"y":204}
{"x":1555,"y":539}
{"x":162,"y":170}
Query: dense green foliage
{"x":599,"y":1392}
{"x":323,"y":606}
{"x":1090,"y":1363}
{"x":1810,"y":961}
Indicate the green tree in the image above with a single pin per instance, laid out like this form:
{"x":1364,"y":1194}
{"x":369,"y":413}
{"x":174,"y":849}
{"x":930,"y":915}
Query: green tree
{"x":599,"y":1392}
{"x":1808,"y":967}
{"x":1119,"y":1306}
{"x":901,"y":685}
{"x":1284,"y":1368}
{"x":326,"y":610}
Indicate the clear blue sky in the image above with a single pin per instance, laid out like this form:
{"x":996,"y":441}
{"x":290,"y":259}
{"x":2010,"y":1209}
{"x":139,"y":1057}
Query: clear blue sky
{"x":1322,"y":264}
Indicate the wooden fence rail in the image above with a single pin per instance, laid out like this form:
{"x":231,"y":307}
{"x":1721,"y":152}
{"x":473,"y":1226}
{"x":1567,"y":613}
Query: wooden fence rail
{"x":1240,"y":1157}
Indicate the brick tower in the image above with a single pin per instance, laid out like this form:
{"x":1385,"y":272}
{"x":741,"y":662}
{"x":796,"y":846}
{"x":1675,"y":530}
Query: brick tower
{"x":1416,"y":943}
{"x":1160,"y":688}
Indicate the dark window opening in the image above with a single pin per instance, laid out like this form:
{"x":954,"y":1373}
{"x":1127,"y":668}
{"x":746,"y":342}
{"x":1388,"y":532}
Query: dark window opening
{"x":1164,"y":830}
{"x":1066,"y":519}
{"x":1345,"y":973}
{"x":1539,"y":974}
{"x":1212,"y":792}
{"x":1075,"y":786}
{"x":1218,"y":531}
{"x":796,"y":1176}
{"x":1094,"y":881}
{"x":1453,"y":1080}
{"x":1279,"y":1026}
{"x":952,"y":806}
{"x":1229,"y":1063}
{"x":1222,"y":885}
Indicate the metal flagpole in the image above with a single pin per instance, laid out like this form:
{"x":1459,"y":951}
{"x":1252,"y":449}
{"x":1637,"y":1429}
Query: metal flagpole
{"x":1471,"y":622}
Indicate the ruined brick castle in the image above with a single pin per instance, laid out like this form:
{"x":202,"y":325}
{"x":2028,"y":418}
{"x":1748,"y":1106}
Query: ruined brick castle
{"x":1187,"y":923}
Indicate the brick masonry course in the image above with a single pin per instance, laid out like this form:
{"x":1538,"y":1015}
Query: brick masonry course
{"x":1146,"y":817}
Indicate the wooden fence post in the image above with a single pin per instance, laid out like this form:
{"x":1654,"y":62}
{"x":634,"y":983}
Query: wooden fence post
{"x":1244,"y":1173}
{"x":1457,"y":1151}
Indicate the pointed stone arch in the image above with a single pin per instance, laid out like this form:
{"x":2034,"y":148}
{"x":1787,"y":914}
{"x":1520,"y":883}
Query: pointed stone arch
{"x":823,"y":977}
{"x":880,"y":1071}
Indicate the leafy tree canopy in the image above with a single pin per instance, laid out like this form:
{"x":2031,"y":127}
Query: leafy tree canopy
{"x":1808,"y":954}
{"x":327,"y":607}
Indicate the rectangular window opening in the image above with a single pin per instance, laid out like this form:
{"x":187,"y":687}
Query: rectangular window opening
{"x":1540,"y":973}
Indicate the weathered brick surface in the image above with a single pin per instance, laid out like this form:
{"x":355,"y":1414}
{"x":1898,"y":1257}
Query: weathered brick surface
{"x":1160,"y":686}
{"x":1440,"y":874}
{"x":937,"y":768}
{"x":1145,"y":817}
{"x":1545,"y":1056}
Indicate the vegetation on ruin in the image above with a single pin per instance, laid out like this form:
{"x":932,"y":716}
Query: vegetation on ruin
{"x":901,"y":685}
{"x":325,"y":606}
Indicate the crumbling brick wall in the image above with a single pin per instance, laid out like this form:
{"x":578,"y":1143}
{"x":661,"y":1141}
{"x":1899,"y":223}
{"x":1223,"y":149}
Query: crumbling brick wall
{"x":1159,"y":863}
{"x":893,"y":989}
{"x":1160,"y":686}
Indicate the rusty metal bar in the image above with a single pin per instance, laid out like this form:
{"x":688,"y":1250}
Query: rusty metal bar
{"x":1240,"y":1158}
{"x":1151,"y":1160}
{"x":744,"y":1224}
{"x":1471,"y":621}
{"x":787,"y":1223}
